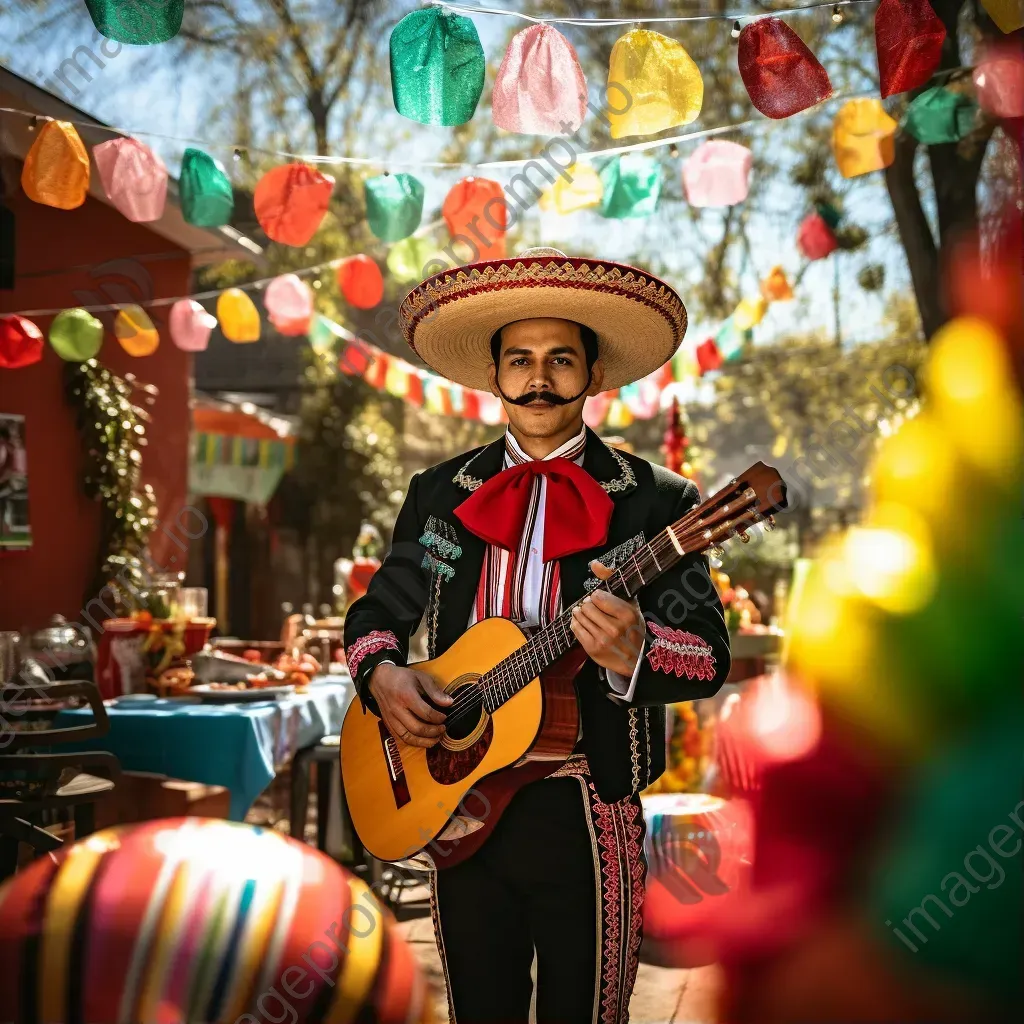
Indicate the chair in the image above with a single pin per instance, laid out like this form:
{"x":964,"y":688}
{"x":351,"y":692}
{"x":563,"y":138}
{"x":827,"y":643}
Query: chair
{"x":35,"y":786}
{"x":325,"y":756}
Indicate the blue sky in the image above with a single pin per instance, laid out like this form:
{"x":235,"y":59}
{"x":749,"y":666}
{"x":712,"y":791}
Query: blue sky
{"x":136,"y":91}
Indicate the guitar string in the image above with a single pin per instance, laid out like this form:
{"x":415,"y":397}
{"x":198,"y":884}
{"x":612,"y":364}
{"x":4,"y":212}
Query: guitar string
{"x":517,"y":668}
{"x":521,"y":662}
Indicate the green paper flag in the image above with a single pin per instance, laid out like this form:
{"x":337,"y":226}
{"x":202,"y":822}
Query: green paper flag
{"x":76,"y":335}
{"x":205,"y":191}
{"x":829,"y":214}
{"x":940,"y":115}
{"x":632,"y":184}
{"x":138,"y":22}
{"x":408,"y":257}
{"x":394,"y":205}
{"x":437,"y":67}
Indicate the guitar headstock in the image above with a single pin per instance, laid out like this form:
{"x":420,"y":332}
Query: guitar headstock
{"x":768,"y":486}
{"x":752,"y":497}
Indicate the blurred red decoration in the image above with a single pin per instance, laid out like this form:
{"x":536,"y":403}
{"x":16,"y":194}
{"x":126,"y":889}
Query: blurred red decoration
{"x":475,"y":211}
{"x":999,"y":80}
{"x":355,"y":360}
{"x":377,"y":370}
{"x":291,"y":201}
{"x":708,"y":356}
{"x":815,"y":238}
{"x":780,"y":73}
{"x":674,"y":444}
{"x":908,"y":37}
{"x":289,"y":304}
{"x":21,"y":342}
{"x":988,"y":285}
{"x":699,"y":851}
{"x":361,"y":282}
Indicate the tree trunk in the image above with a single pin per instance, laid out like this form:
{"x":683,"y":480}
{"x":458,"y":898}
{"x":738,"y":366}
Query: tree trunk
{"x":319,"y":112}
{"x":955,"y":170}
{"x":915,"y":234}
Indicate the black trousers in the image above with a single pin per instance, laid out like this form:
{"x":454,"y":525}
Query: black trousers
{"x":540,"y":883}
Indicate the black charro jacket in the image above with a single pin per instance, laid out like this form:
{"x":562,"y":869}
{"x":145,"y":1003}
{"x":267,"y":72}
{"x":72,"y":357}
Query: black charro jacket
{"x":434,"y":566}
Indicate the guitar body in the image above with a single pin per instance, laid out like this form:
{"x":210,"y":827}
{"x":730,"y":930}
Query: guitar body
{"x":446,"y":800}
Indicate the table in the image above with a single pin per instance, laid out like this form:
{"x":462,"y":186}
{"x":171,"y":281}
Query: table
{"x":238,"y":746}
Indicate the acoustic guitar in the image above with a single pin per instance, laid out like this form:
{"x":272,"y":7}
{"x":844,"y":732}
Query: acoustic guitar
{"x":514,"y":716}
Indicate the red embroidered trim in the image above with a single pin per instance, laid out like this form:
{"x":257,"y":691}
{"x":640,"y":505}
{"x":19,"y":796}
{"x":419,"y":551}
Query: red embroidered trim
{"x":684,"y":654}
{"x":618,"y":830}
{"x":378,"y":640}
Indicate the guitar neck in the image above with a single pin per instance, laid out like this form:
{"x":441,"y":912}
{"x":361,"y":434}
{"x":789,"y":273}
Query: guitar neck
{"x":726,"y":513}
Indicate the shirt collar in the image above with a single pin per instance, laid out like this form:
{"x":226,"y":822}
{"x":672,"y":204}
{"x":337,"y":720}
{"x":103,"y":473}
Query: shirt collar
{"x":572,"y":449}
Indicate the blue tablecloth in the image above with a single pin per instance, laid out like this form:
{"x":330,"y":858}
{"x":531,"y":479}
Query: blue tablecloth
{"x":239,"y":746}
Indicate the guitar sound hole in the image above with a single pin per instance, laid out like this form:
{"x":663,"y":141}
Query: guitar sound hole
{"x":468,"y":702}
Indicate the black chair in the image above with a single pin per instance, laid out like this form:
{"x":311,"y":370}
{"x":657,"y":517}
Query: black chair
{"x":325,"y":756}
{"x":40,"y":786}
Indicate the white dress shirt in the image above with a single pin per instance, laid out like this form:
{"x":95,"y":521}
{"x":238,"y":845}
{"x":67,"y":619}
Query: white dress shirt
{"x":533,"y":581}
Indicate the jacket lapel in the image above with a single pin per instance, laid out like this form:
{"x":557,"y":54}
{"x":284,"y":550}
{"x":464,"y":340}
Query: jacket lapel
{"x":460,"y":594}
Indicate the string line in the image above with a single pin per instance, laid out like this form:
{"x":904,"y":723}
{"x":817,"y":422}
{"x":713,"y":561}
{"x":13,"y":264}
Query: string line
{"x":376,"y":161}
{"x":642,"y":20}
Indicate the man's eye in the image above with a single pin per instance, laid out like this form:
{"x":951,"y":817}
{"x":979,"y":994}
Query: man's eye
{"x":521,"y":361}
{"x":562,"y":361}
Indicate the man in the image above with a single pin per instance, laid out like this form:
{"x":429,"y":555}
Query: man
{"x":521,"y":528}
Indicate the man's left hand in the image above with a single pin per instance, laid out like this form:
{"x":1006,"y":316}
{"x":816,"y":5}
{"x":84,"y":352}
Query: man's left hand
{"x":609,"y":629}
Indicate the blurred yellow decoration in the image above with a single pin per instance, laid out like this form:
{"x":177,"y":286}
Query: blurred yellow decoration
{"x":396,"y":382}
{"x":135,"y":331}
{"x":834,"y":643}
{"x":56,"y":169}
{"x":969,"y":379}
{"x":914,"y":468}
{"x":892,"y":565}
{"x":1007,"y":14}
{"x":239,"y":318}
{"x":749,"y":313}
{"x":776,"y":287}
{"x":654,"y":82}
{"x":581,"y":192}
{"x":618,"y":416}
{"x":863,"y":137}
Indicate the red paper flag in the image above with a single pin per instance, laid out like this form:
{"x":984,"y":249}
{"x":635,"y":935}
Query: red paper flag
{"x":781,"y":74}
{"x":470,"y":405}
{"x":290,"y":202}
{"x":377,"y":372}
{"x":21,"y":342}
{"x":708,"y":356}
{"x":908,"y":37}
{"x":815,"y":238}
{"x":475,"y":211}
{"x":361,"y":282}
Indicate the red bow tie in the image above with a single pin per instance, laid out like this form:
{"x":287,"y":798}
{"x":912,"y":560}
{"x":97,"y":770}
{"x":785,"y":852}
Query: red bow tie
{"x":577,"y":509}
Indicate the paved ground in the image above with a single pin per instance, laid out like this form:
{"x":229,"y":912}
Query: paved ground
{"x":661,"y":996}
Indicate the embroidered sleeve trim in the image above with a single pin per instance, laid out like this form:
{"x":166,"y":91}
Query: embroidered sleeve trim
{"x":378,"y":640}
{"x":683,"y":654}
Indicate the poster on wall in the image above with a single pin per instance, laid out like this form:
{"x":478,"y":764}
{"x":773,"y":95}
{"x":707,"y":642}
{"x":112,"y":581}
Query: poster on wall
{"x":15,"y":529}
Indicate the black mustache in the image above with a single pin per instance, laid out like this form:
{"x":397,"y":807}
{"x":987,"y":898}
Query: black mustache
{"x":548,"y":397}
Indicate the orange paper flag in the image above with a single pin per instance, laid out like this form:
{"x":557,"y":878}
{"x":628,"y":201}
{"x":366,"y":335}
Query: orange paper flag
{"x":56,"y":170}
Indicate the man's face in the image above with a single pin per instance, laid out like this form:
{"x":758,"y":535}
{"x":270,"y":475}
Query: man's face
{"x":543,"y":356}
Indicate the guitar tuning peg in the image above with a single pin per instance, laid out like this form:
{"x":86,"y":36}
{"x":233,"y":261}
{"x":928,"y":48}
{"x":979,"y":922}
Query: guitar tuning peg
{"x":743,"y":536}
{"x":769,"y":524}
{"x":715,"y":553}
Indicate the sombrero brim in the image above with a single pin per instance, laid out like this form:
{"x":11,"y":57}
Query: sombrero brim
{"x":450,"y":318}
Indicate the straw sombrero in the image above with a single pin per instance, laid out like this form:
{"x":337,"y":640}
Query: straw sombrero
{"x":449,"y":319}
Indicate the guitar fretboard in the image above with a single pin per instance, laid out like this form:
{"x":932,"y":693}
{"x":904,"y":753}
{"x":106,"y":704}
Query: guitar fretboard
{"x":701,"y":528}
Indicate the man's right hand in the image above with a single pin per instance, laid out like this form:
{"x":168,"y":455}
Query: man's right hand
{"x":399,"y":694}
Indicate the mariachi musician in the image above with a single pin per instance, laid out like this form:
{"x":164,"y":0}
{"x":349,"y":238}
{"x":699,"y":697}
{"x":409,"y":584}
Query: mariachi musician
{"x":520,"y":528}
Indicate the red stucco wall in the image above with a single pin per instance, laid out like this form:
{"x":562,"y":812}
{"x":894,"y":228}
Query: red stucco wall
{"x":53,"y":575}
